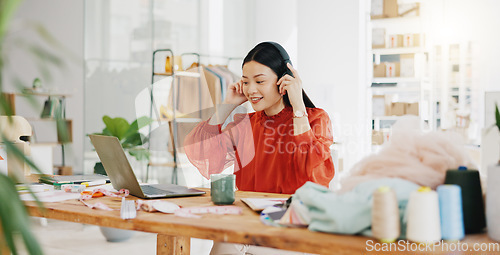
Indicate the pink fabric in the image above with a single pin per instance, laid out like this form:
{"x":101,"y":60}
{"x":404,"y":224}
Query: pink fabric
{"x":410,"y":154}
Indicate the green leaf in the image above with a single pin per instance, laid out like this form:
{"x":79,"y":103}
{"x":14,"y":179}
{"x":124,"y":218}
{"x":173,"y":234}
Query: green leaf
{"x":139,"y":153}
{"x":116,"y":126}
{"x":497,"y":116}
{"x":132,"y":141}
{"x":7,"y":9}
{"x":14,"y":218}
{"x":137,"y":125}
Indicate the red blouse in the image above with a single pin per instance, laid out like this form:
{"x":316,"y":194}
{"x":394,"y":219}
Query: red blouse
{"x":267,"y":155}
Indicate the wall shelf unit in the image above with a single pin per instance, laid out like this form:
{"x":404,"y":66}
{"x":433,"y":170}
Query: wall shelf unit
{"x":400,"y":81}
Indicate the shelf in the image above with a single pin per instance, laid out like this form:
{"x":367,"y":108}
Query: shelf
{"x":396,"y":51}
{"x":385,"y":21}
{"x":183,"y":74}
{"x":44,"y":119}
{"x":395,"y":79}
{"x":396,"y":89}
{"x":44,"y":94}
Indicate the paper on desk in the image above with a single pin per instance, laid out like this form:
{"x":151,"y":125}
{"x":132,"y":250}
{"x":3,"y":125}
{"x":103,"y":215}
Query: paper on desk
{"x":259,"y":204}
{"x":51,"y":196}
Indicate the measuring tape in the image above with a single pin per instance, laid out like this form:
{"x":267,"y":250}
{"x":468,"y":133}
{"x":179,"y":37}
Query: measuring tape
{"x":99,"y":192}
{"x":191,"y":212}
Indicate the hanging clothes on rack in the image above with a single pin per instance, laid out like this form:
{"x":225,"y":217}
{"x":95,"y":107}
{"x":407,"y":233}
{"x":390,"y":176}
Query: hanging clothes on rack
{"x":222,"y":81}
{"x":214,"y":85}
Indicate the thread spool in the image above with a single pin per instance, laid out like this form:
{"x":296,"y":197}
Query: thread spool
{"x":472,"y":197}
{"x":424,"y":224}
{"x":450,"y":210}
{"x":493,"y":202}
{"x":385,"y":215}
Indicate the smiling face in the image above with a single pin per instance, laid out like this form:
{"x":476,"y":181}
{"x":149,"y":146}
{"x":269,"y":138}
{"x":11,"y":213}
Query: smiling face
{"x":259,"y":86}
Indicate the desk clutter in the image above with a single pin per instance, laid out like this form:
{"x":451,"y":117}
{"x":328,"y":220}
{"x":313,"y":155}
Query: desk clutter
{"x":392,"y":208}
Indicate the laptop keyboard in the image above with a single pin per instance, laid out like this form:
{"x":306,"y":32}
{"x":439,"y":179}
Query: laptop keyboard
{"x":150,"y":190}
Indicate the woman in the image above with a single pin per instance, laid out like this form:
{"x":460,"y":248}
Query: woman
{"x":280,"y":146}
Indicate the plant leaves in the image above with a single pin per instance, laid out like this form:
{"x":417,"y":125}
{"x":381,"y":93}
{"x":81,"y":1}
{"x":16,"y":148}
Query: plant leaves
{"x":139,"y":153}
{"x":14,"y":218}
{"x":133,"y":140}
{"x":7,"y":9}
{"x":497,"y":116}
{"x":137,"y":125}
{"x":116,"y":126}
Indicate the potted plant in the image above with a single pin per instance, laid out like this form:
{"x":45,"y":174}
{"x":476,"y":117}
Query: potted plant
{"x":131,"y":141}
{"x":130,"y":138}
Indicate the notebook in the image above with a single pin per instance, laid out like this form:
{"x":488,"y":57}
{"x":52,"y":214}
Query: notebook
{"x":122,"y":176}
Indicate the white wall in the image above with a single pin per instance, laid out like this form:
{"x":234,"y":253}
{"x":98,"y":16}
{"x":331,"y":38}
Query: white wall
{"x":64,"y":20}
{"x":332,"y":60}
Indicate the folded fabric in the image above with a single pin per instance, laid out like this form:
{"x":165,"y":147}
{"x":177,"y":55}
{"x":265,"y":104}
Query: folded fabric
{"x":349,"y":212}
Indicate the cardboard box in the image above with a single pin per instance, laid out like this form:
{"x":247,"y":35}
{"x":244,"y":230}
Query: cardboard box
{"x":384,"y":9}
{"x":407,"y":65}
{"x":394,"y":41}
{"x":412,"y":109}
{"x":379,"y":70}
{"x":392,"y":69}
{"x":409,"y":10}
{"x":398,"y":108}
{"x":411,"y":40}
{"x":377,"y":137}
{"x":378,"y":38}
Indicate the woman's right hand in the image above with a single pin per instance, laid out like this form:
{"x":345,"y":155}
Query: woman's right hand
{"x":235,"y":94}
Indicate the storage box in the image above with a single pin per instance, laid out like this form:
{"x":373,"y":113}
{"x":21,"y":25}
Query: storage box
{"x":384,"y":9}
{"x":412,"y":109}
{"x":409,"y":10}
{"x":392,"y":69}
{"x":398,"y":108}
{"x":377,"y":137}
{"x":378,"y":38}
{"x":394,"y":41}
{"x":411,"y":40}
{"x":379,"y":70}
{"x":407,"y":65}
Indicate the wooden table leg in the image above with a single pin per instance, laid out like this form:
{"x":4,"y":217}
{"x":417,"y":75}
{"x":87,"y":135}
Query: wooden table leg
{"x":170,"y":245}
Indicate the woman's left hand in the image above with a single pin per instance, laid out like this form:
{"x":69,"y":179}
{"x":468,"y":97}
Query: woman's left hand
{"x":291,"y":86}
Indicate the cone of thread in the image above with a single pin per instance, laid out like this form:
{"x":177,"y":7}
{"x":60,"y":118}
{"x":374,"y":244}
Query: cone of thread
{"x":424,"y":224}
{"x":385,"y":215}
{"x":450,"y":209}
{"x":472,"y":198}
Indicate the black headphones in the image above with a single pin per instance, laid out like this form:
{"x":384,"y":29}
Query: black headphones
{"x":284,"y":56}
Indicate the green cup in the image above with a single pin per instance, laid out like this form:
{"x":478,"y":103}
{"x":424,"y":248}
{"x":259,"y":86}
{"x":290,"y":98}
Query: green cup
{"x":222,"y":187}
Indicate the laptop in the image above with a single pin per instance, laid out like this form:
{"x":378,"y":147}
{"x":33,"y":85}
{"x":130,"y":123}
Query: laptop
{"x":122,"y":176}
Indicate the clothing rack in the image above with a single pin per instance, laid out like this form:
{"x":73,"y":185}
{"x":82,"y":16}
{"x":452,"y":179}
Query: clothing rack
{"x":176,"y":75}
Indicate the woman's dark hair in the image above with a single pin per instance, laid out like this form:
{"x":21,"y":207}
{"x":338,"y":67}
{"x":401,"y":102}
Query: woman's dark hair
{"x":268,"y":55}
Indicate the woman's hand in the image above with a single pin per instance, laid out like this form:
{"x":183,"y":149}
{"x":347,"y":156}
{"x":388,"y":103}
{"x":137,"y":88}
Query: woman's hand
{"x":235,"y":94}
{"x":293,"y":87}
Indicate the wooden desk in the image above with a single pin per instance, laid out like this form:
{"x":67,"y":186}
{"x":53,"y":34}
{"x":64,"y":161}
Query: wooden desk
{"x":174,"y":233}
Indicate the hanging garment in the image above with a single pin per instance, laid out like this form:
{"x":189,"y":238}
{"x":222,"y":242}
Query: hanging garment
{"x":213,"y":82}
{"x":222,"y":80}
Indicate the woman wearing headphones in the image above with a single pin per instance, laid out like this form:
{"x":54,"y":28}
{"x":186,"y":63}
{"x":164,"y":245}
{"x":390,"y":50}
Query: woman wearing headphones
{"x":279,"y":147}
